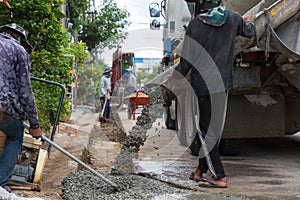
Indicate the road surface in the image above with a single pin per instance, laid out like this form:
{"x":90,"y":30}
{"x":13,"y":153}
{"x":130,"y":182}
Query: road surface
{"x":264,"y":169}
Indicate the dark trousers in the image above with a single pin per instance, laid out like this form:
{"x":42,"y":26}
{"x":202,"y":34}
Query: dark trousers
{"x":106,"y":108}
{"x":215,"y":126}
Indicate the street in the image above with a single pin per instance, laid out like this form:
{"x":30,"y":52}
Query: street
{"x":264,"y":169}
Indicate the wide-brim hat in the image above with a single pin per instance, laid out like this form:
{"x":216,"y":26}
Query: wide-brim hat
{"x":107,"y":70}
{"x":20,"y":31}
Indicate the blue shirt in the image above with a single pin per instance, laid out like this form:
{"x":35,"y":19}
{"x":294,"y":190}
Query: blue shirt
{"x":16,"y":96}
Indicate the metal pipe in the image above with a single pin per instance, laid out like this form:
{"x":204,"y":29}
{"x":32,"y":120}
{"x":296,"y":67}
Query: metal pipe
{"x":79,"y":162}
{"x":76,"y":160}
{"x":58,"y":109}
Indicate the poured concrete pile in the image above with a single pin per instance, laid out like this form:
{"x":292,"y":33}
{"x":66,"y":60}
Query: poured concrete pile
{"x":83,"y":185}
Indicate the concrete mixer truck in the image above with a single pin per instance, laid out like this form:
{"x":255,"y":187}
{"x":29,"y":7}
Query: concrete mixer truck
{"x":266,"y":95}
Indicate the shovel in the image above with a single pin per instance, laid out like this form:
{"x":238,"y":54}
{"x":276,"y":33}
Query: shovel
{"x":44,"y":138}
{"x":102,"y":119}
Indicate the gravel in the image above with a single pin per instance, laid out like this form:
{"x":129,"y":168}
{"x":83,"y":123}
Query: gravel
{"x":82,"y":185}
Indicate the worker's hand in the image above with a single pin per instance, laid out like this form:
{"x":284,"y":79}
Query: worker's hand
{"x":251,"y":18}
{"x":109,"y":90}
{"x":106,"y":96}
{"x":35,"y":132}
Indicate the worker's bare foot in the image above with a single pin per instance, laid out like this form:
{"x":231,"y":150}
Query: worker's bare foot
{"x":196,"y":175}
{"x":212,"y":183}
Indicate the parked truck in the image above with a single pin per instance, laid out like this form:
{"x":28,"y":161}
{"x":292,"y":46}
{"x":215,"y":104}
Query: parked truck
{"x":266,"y":73}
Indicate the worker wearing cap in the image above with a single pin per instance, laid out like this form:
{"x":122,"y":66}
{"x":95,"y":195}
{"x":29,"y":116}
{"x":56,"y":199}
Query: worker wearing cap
{"x":16,"y":96}
{"x":208,"y":51}
{"x":105,"y":90}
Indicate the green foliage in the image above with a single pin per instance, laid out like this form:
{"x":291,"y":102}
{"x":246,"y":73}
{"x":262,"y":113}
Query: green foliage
{"x":52,"y":58}
{"x":41,"y":18}
{"x":80,"y":53}
{"x":88,"y":87}
{"x":100,"y":28}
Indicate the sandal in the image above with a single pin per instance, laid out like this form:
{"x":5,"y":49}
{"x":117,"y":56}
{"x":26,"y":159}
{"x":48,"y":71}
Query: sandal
{"x":193,"y":178}
{"x":210,"y":183}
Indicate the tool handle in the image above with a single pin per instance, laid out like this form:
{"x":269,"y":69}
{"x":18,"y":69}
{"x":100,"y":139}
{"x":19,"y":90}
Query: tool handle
{"x":104,"y":105}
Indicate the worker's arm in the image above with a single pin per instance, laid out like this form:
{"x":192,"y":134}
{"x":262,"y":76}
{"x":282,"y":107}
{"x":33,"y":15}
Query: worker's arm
{"x":183,"y":67}
{"x":26,"y":96}
{"x":102,"y":87}
{"x":246,"y":26}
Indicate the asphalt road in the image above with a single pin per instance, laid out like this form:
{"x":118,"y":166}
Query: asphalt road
{"x":264,"y":169}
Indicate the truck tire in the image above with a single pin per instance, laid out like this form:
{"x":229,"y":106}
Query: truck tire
{"x":195,"y":146}
{"x":227,"y":147}
{"x":169,"y":122}
{"x":230,"y":147}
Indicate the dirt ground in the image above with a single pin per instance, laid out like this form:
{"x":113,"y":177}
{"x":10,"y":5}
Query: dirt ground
{"x":72,"y":137}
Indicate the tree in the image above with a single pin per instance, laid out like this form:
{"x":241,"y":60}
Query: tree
{"x":97,"y":28}
{"x":100,"y":28}
{"x":41,"y":18}
{"x":50,"y":41}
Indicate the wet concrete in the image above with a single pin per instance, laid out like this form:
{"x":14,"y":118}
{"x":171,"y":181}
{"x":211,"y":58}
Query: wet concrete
{"x":83,"y":185}
{"x":265,"y":169}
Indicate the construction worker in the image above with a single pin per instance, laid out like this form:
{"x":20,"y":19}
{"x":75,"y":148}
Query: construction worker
{"x":208,"y":51}
{"x":16,"y":97}
{"x":105,"y":90}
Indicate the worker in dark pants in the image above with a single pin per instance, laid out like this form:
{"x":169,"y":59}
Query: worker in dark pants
{"x":16,"y":97}
{"x":208,"y":51}
{"x":105,"y":90}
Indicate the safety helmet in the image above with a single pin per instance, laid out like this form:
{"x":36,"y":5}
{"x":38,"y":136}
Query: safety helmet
{"x":107,"y":70}
{"x":205,"y":5}
{"x":17,"y":29}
